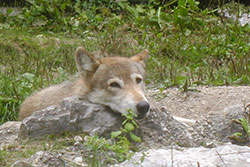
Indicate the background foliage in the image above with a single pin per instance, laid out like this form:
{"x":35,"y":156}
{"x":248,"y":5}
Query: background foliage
{"x":189,"y":44}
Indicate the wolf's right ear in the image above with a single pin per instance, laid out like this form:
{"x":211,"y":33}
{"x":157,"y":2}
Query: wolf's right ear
{"x":85,"y":62}
{"x":141,"y":57}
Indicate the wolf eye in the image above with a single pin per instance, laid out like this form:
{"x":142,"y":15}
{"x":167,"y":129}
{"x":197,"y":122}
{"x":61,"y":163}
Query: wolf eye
{"x":138,"y":80}
{"x":115,"y":85}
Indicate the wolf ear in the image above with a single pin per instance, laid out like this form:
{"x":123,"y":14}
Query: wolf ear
{"x":141,"y":57}
{"x":85,"y":62}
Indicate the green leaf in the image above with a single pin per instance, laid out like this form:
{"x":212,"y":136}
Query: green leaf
{"x":187,"y":32}
{"x":9,"y":11}
{"x":134,"y":123}
{"x":237,"y":134}
{"x":63,"y":6}
{"x":139,"y":9}
{"x":152,"y":12}
{"x":244,"y":124}
{"x":158,"y":17}
{"x":129,"y":126}
{"x":143,"y":156}
{"x":129,"y":117}
{"x":193,"y":4}
{"x":115,"y":134}
{"x":29,"y":76}
{"x":134,"y":137}
{"x":124,"y":122}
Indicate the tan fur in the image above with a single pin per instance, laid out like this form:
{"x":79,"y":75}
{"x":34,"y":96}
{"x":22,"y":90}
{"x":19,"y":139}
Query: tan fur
{"x":95,"y":84}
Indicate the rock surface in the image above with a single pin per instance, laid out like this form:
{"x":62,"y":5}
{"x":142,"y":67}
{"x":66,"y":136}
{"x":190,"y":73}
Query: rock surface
{"x":243,"y":18}
{"x":199,"y":101}
{"x":158,"y":129}
{"x":72,"y":115}
{"x":9,"y":133}
{"x":217,"y":127}
{"x":14,"y":11}
{"x":225,"y":155}
{"x":41,"y":159}
{"x":161,"y":129}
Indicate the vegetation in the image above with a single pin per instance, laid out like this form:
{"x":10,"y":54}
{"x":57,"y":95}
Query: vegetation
{"x":242,"y":137}
{"x":118,"y":148}
{"x":188,"y":46}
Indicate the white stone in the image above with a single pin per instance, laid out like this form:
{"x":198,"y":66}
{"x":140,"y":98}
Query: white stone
{"x":231,"y":155}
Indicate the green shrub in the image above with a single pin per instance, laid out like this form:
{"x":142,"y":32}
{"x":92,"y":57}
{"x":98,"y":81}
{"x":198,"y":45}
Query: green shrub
{"x":188,"y":46}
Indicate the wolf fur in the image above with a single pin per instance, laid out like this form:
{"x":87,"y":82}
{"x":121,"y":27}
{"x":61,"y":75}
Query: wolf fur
{"x":116,"y":82}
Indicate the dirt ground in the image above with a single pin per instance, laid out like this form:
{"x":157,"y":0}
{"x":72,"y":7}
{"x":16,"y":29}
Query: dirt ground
{"x":199,"y":101}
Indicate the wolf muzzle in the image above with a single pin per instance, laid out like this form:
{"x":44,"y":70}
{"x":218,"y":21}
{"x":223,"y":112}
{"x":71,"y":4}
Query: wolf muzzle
{"x":142,"y":109}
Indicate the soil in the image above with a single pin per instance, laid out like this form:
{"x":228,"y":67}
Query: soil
{"x":199,"y":101}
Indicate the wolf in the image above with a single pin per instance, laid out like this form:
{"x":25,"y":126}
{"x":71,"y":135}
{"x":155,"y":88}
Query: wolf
{"x":116,"y":82}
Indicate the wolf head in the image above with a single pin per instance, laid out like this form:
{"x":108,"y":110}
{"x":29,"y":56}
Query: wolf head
{"x":116,"y":82}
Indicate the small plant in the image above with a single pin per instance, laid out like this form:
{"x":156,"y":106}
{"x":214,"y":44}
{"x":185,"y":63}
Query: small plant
{"x":118,"y":148}
{"x":244,"y":136}
{"x":129,"y":125}
{"x":49,"y":13}
{"x":184,"y":13}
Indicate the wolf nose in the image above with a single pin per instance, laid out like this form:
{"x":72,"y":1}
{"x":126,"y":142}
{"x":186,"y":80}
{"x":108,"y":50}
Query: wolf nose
{"x":142,"y":107}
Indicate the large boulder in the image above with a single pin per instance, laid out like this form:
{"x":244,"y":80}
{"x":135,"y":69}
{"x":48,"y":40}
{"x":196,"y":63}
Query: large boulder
{"x":162,"y":135}
{"x":72,"y":115}
{"x":225,"y":155}
{"x":160,"y":128}
{"x":217,"y":127}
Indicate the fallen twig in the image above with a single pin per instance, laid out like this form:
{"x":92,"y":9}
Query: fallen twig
{"x":221,"y":158}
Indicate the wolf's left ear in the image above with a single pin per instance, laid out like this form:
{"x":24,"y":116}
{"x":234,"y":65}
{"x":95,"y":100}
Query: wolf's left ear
{"x":85,"y":62}
{"x":141,"y":57}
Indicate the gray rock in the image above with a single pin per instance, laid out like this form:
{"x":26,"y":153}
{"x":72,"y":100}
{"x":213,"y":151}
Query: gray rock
{"x":243,"y":18}
{"x":14,"y":11}
{"x":158,"y":129}
{"x":72,"y":115}
{"x":161,"y":129}
{"x":21,"y":163}
{"x":218,"y":127}
{"x":225,"y":155}
{"x":41,"y":159}
{"x":56,"y":158}
{"x":52,"y":159}
{"x":9,"y":133}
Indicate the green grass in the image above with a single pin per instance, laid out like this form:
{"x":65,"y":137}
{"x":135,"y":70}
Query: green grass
{"x":30,"y":62}
{"x":187,"y":46}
